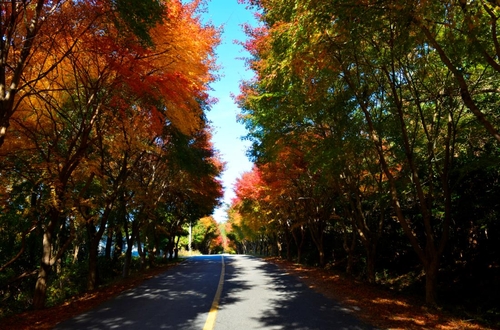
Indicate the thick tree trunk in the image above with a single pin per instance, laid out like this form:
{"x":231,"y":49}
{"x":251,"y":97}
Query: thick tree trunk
{"x":49,"y":256}
{"x":288,"y":252}
{"x":322,"y":257}
{"x":371,"y":257}
{"x":349,"y":248}
{"x":40,"y":293}
{"x":170,"y":248}
{"x":288,"y":241}
{"x":151,"y":256}
{"x":127,"y":261}
{"x":299,"y":243}
{"x":317,"y":237}
{"x":95,"y":237}
{"x":92,"y":276}
{"x":431,"y":280}
{"x":130,"y":245}
{"x":49,"y":251}
{"x":75,"y":253}
{"x":278,"y":249}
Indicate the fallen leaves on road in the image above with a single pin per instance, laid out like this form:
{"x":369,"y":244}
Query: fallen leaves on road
{"x":373,"y":305}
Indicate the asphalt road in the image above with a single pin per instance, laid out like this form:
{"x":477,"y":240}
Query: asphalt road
{"x":253,"y":295}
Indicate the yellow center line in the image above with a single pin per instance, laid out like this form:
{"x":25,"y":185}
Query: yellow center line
{"x":210,"y":323}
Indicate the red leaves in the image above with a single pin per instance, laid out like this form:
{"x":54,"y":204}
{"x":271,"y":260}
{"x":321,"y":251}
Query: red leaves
{"x":248,"y":186}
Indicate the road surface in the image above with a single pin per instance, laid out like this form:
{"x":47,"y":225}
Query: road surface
{"x":219,"y":292}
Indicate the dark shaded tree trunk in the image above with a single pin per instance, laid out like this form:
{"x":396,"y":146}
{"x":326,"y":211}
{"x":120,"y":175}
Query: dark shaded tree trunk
{"x":118,"y":247}
{"x":92,"y":276}
{"x":176,"y":249}
{"x":431,"y":280}
{"x":40,"y":293}
{"x":109,"y":243}
{"x":371,"y":259}
{"x":95,"y":237}
{"x":317,"y":234}
{"x":170,"y":248}
{"x":141,"y":251}
{"x":130,"y":246}
{"x":350,"y":247}
{"x":50,"y":255}
{"x":299,"y":242}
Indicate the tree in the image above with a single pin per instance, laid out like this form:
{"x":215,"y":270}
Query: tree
{"x":38,"y":26}
{"x":374,"y":78}
{"x":206,"y":236}
{"x":93,"y":117}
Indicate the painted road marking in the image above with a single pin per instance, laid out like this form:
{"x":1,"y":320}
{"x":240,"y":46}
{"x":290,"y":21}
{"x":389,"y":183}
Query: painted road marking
{"x":210,"y":323}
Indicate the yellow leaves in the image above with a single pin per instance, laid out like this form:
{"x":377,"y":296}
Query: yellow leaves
{"x":182,"y":64}
{"x":88,"y":84}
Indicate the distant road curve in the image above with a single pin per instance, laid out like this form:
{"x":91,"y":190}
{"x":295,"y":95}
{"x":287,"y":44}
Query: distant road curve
{"x":233,"y":292}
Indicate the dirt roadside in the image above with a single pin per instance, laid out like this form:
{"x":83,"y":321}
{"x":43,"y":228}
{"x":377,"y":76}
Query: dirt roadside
{"x":381,"y":308}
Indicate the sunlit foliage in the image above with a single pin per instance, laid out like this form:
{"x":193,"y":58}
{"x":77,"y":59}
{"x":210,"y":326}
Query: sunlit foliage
{"x":106,"y":148}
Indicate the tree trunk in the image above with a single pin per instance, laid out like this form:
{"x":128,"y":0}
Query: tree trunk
{"x":141,"y":251}
{"x":170,"y":248}
{"x":288,"y":251}
{"x":109,"y":243}
{"x":40,"y":293}
{"x":288,"y":241}
{"x":95,"y":237}
{"x":49,"y":255}
{"x":151,"y":256}
{"x":118,"y":248}
{"x":92,"y":277}
{"x":350,"y":250}
{"x":176,"y":249}
{"x":371,"y":256}
{"x":278,"y":248}
{"x":322,"y":258}
{"x":127,"y":261}
{"x":431,"y":280}
{"x":317,"y":236}
{"x":130,"y":245}
{"x":299,"y":243}
{"x":75,"y":253}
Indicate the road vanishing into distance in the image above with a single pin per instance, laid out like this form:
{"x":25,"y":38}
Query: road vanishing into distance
{"x":219,"y":292}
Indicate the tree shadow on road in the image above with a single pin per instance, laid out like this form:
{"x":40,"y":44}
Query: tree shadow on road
{"x":284,"y":301}
{"x":172,"y":300}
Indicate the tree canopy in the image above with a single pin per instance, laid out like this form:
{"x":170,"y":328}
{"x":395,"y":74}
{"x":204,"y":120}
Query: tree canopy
{"x":104,"y":143}
{"x":367,"y":119}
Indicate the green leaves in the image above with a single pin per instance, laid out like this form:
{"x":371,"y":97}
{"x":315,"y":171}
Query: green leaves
{"x":374,"y":96}
{"x":139,"y":17}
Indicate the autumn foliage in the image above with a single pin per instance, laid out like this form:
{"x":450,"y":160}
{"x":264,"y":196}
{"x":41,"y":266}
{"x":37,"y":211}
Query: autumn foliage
{"x":375,"y":136}
{"x":104,"y":144}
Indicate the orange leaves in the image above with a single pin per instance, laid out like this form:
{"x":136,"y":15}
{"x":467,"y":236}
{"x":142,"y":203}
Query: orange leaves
{"x":95,"y":99}
{"x":169,"y":80}
{"x":180,"y":66}
{"x":87,"y":80}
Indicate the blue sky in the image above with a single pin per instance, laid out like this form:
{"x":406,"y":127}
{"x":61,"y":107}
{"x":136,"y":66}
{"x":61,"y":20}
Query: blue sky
{"x":227,"y":132}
